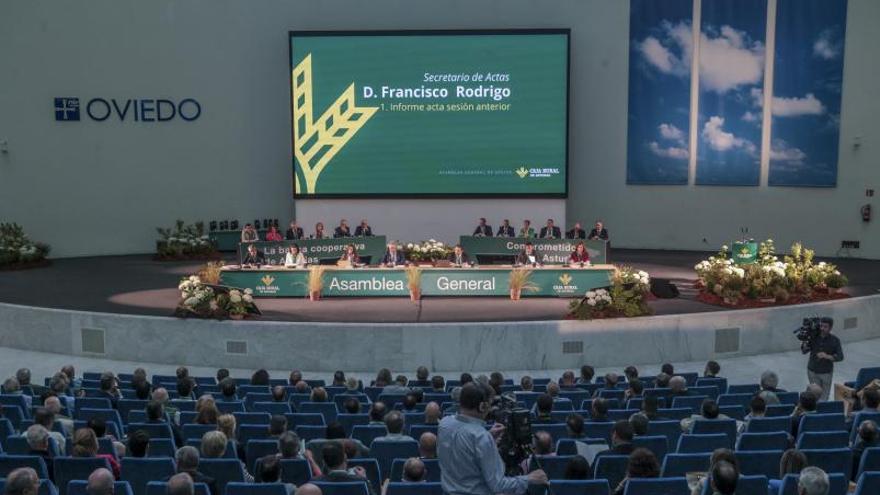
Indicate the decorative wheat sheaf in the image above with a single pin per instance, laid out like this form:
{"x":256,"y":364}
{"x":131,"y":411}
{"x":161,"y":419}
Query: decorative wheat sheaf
{"x":315,"y":143}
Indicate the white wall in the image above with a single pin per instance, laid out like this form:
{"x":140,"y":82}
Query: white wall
{"x":98,"y":188}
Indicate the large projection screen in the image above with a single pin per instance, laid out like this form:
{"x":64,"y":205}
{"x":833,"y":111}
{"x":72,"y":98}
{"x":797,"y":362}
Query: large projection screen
{"x":429,"y":113}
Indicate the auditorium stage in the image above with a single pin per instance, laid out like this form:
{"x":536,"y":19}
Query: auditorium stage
{"x":140,"y":286}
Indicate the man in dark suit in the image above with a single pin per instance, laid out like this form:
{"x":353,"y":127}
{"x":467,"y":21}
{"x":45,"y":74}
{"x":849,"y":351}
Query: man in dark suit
{"x":621,"y":439}
{"x":294,"y":232}
{"x":576,"y":232}
{"x":599,"y":232}
{"x":253,"y":257}
{"x":505,"y":230}
{"x":393,"y":256}
{"x":342,"y":230}
{"x":337,"y":470}
{"x":528,"y":256}
{"x":550,"y":231}
{"x":363,"y":230}
{"x":483,"y":230}
{"x":458,"y":256}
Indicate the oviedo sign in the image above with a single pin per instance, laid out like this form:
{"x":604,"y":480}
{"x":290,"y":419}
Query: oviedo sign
{"x":74,"y":109}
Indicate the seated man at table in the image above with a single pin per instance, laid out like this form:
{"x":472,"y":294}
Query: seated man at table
{"x":505,"y":230}
{"x":458,"y":256}
{"x":579,"y":255}
{"x":550,"y":231}
{"x":253,"y":257}
{"x":342,"y":230}
{"x":576,"y":232}
{"x":294,"y":232}
{"x":483,"y":230}
{"x":393,"y":256}
{"x":599,"y":232}
{"x":363,"y":230}
{"x":527,"y":230}
{"x":249,"y":234}
{"x":528,"y":256}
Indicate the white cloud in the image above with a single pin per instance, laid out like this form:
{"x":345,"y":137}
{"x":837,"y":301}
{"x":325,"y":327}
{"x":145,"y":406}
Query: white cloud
{"x":729,"y":59}
{"x":794,"y":107}
{"x":672,"y":52}
{"x":751,"y":117}
{"x":780,"y":151}
{"x":757,"y":95}
{"x":720,"y":140}
{"x":826,"y":47}
{"x":669,"y":131}
{"x":673,"y":152}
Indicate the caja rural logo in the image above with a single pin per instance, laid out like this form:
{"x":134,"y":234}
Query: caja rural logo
{"x":267,"y":287}
{"x":565,"y":286}
{"x":316,"y":142}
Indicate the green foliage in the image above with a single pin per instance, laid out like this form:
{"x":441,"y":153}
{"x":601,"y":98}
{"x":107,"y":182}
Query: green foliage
{"x":184,"y":241}
{"x":17,"y":249}
{"x":625,"y":297}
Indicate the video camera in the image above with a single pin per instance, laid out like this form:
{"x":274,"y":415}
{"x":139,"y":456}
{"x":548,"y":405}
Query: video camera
{"x":516,"y":442}
{"x":809,"y":329}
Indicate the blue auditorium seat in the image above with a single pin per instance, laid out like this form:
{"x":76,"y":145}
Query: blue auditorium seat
{"x":611,"y":468}
{"x":280,"y":408}
{"x":580,"y":487}
{"x":193,"y":430}
{"x":556,"y":430}
{"x":236,"y":488}
{"x":403,"y":488}
{"x":839,"y":484}
{"x":161,"y":488}
{"x":769,"y":425}
{"x":155,"y":430}
{"x":75,"y":468}
{"x":777,"y":440}
{"x":252,"y":418}
{"x":735,"y":400}
{"x":669,"y":429}
{"x":326,"y":409}
{"x":108,"y":415}
{"x":831,"y":460}
{"x":759,"y":462}
{"x":681,"y":464}
{"x":725,"y":426}
{"x":259,"y":448}
{"x":432,"y":469}
{"x":345,"y":488}
{"x":776,"y":410}
{"x":296,"y":471}
{"x":386,"y":452}
{"x":822,"y":422}
{"x":78,"y":487}
{"x":305,"y":419}
{"x":349,"y":421}
{"x":18,"y":401}
{"x":9,"y":463}
{"x":750,"y":389}
{"x":126,"y":406}
{"x":830,"y":407}
{"x":657,"y":486}
{"x":692,"y":444}
{"x":823,"y":440}
{"x":870,"y":460}
{"x":251,"y":399}
{"x":140,"y":471}
{"x":690,"y":402}
{"x":745,"y":484}
{"x":719,"y":383}
{"x":675,"y":413}
{"x":223,"y":471}
{"x":230,"y":406}
{"x":367,"y":433}
{"x":416,"y":431}
{"x":599,"y":430}
{"x":371,"y":467}
{"x":656,"y":444}
{"x":307,"y":433}
{"x":868,"y":484}
{"x":161,"y":447}
{"x":858,"y":418}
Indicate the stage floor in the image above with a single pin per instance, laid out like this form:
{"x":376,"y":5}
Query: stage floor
{"x":138,"y":285}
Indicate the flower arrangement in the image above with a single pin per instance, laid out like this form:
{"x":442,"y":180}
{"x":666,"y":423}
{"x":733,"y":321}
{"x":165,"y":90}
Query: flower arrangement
{"x":430,"y":250}
{"x":518,"y":281}
{"x":199,"y":300}
{"x":795,"y":278}
{"x":626,"y":297}
{"x":316,"y":281}
{"x":17,"y":250}
{"x":184,"y":242}
{"x":414,"y":282}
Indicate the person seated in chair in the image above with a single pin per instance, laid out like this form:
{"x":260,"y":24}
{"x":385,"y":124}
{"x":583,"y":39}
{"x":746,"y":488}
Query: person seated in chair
{"x":543,"y":408}
{"x":363,"y":230}
{"x":249,"y":234}
{"x":621,"y":440}
{"x":599,"y":233}
{"x":350,"y":255}
{"x":187,"y":460}
{"x":576,"y":232}
{"x":527,"y":231}
{"x":273,"y":235}
{"x":708,"y":412}
{"x":294,"y":258}
{"x":483,"y":230}
{"x":414,"y":471}
{"x":253,"y":257}
{"x":393,"y":256}
{"x":505,"y":230}
{"x":294,"y":232}
{"x":550,"y":231}
{"x":38,"y":442}
{"x":337,"y":470}
{"x":458,"y":257}
{"x":342,"y":230}
{"x":395,"y":424}
{"x":319,"y":231}
{"x":579,"y":255}
{"x":528,"y":256}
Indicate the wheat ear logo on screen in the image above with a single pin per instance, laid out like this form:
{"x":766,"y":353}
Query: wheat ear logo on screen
{"x":316,"y":142}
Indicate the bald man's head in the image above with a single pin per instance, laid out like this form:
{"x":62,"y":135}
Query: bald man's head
{"x":428,"y":445}
{"x":308,"y":489}
{"x":181,"y":484}
{"x":100,"y":482}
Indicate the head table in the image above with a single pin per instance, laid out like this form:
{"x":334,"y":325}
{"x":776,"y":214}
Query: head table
{"x":544,"y":281}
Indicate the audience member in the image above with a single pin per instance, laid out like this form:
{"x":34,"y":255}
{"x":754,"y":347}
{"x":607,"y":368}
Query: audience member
{"x":806,"y":405}
{"x":101,"y":482}
{"x":22,"y":481}
{"x":642,"y":464}
{"x":180,"y":484}
{"x":578,"y":468}
{"x":621,"y":440}
{"x":712,"y":369}
{"x":333,"y":455}
{"x":813,"y":481}
{"x":587,"y":374}
{"x":138,"y":443}
{"x":791,"y":462}
{"x":428,"y":445}
{"x":187,"y":459}
{"x":38,"y":443}
{"x":85,"y":444}
{"x":639,"y":423}
{"x":867,"y":438}
{"x":394,"y":423}
{"x":599,"y":411}
{"x":414,"y":470}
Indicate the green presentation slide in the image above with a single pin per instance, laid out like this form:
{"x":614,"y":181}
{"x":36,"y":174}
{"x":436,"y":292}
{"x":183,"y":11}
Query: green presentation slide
{"x":422,"y":113}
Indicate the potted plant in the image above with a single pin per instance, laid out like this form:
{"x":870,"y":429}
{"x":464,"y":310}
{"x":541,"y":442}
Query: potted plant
{"x":237,"y":303}
{"x":519,"y":281}
{"x":836,"y":281}
{"x":316,"y":281}
{"x":414,"y":282}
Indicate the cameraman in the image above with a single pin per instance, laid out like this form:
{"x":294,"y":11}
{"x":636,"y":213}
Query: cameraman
{"x":824,"y":350}
{"x":469,"y":460}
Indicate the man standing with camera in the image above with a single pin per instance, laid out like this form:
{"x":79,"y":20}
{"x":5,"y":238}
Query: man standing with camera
{"x":469,"y":459}
{"x":824,"y":350}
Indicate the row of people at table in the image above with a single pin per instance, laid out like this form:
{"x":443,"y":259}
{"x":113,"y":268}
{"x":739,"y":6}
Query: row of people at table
{"x":394,"y":256}
{"x":295,"y":233}
{"x":549,"y":231}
